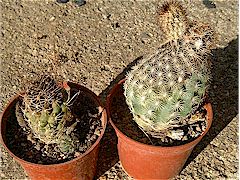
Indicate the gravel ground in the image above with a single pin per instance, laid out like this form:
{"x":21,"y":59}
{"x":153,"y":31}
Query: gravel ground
{"x":95,"y":45}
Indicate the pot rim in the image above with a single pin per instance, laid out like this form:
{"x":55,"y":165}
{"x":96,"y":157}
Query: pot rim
{"x":103,"y":119}
{"x":188,"y":145}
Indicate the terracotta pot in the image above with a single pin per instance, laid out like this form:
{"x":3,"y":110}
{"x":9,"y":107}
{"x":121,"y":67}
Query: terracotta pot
{"x":142,"y":161}
{"x":83,"y":167}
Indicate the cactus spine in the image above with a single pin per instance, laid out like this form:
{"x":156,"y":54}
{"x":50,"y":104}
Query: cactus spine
{"x":45,"y":115}
{"x":168,"y":86}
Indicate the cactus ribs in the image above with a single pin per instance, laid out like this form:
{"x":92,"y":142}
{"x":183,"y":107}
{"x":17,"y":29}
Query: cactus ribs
{"x":123,"y":119}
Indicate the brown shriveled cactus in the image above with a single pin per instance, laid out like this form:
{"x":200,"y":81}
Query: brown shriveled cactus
{"x":166,"y":88}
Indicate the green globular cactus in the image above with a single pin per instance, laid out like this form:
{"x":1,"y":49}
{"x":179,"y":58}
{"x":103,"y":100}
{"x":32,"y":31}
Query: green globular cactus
{"x":163,"y":89}
{"x":46,"y":114}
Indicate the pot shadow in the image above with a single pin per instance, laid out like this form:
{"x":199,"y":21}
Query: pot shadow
{"x":108,"y":155}
{"x":103,"y":95}
{"x":223,"y":94}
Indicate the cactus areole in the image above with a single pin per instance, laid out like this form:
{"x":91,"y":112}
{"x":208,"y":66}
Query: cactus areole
{"x":166,"y":87}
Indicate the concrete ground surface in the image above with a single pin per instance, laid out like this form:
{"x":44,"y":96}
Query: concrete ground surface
{"x":95,"y":45}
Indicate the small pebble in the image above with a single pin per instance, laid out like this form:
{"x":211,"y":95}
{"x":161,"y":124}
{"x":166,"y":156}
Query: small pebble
{"x":97,"y":132}
{"x":185,"y":138}
{"x":77,"y":154}
{"x":3,"y":175}
{"x":62,"y":1}
{"x":198,"y":128}
{"x":93,"y":137}
{"x":80,"y":2}
{"x":52,"y":18}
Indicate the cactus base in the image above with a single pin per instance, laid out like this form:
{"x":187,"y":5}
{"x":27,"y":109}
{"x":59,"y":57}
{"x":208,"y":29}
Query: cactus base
{"x":176,"y":134}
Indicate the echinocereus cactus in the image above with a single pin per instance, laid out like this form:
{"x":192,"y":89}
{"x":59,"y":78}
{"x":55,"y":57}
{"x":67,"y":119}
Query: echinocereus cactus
{"x":44,"y":114}
{"x":168,"y":86}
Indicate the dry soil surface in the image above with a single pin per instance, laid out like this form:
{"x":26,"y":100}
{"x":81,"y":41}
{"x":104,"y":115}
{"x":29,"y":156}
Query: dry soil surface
{"x":95,"y":44}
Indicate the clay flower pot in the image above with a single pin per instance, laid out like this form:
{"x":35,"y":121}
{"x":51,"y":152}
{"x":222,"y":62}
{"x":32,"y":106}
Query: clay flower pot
{"x":142,"y":161}
{"x":82,"y":167}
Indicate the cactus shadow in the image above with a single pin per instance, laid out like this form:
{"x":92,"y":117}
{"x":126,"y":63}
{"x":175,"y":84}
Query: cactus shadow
{"x":223,"y":93}
{"x":108,"y":155}
{"x":121,"y":76}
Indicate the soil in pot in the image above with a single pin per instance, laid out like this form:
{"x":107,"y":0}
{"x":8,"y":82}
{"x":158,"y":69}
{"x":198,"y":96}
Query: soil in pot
{"x":123,"y":119}
{"x":87,"y":131}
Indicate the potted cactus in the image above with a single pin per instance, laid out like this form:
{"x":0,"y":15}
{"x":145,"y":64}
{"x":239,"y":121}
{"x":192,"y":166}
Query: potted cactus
{"x":165,"y":94}
{"x":53,"y":130}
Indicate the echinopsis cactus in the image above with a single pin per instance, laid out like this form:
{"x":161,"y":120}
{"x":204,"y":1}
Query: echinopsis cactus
{"x":44,"y":114}
{"x":168,"y":86}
